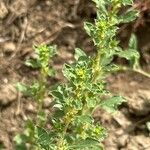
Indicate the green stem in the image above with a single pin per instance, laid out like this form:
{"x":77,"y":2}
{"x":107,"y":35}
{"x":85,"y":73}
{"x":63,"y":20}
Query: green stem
{"x":41,"y":93}
{"x":96,"y":67}
{"x":65,"y":129}
{"x":60,"y":143}
{"x":142,"y":72}
{"x":135,"y":70}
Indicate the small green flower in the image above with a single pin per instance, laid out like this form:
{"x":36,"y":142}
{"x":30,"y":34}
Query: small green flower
{"x":80,"y":73}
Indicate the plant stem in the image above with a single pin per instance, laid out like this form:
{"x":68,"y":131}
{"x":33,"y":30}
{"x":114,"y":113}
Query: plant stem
{"x":60,"y":143}
{"x":40,"y":98}
{"x":135,"y":70}
{"x":142,"y":72}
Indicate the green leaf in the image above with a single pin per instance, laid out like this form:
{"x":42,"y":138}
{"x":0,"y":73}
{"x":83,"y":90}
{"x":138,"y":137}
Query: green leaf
{"x":87,"y":144}
{"x":100,"y":4}
{"x":29,"y":126}
{"x":58,"y":114}
{"x":112,"y":68}
{"x":127,"y":2}
{"x":91,"y":102}
{"x":83,"y":119}
{"x":112,"y":103}
{"x":148,"y":125}
{"x":89,"y":27}
{"x":128,"y":54}
{"x":134,"y":61}
{"x":129,"y":16}
{"x":133,"y":42}
{"x":41,"y":117}
{"x":52,"y":50}
{"x":32,"y":63}
{"x":32,"y":90}
{"x":106,"y":60}
{"x":21,"y":88}
{"x":51,"y":72}
{"x":68,"y":71}
{"x":20,"y":147}
{"x":58,"y":106}
{"x":42,"y":137}
{"x":18,"y":139}
{"x":78,"y":53}
{"x":57,"y":93}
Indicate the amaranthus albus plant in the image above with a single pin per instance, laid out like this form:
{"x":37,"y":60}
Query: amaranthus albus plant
{"x":72,"y":124}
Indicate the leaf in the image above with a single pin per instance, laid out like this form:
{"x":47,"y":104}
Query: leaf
{"x":57,"y":93}
{"x":52,"y":50}
{"x":112,"y":103}
{"x":58,"y":114}
{"x":91,"y":102}
{"x":127,"y":2}
{"x":86,"y":144}
{"x":18,"y":139}
{"x":100,"y":4}
{"x":42,"y":137}
{"x":32,"y":63}
{"x":129,"y":16}
{"x":68,"y":71}
{"x":20,"y":147}
{"x":148,"y":125}
{"x":133,"y":42}
{"x":112,"y":68}
{"x":41,"y":116}
{"x":106,"y":60}
{"x":134,"y":62}
{"x":58,"y":106}
{"x":83,"y":119}
{"x":21,"y":88}
{"x":29,"y":126}
{"x":89,"y":27}
{"x":51,"y":72}
{"x":32,"y":90}
{"x":78,"y":53}
{"x":128,"y":54}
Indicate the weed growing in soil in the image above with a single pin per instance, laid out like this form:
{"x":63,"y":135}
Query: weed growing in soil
{"x":37,"y":90}
{"x":72,"y":124}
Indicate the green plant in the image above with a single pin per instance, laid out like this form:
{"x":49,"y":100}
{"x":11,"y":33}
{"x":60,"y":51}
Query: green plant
{"x":72,"y":124}
{"x":37,"y":91}
{"x":133,"y":62}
